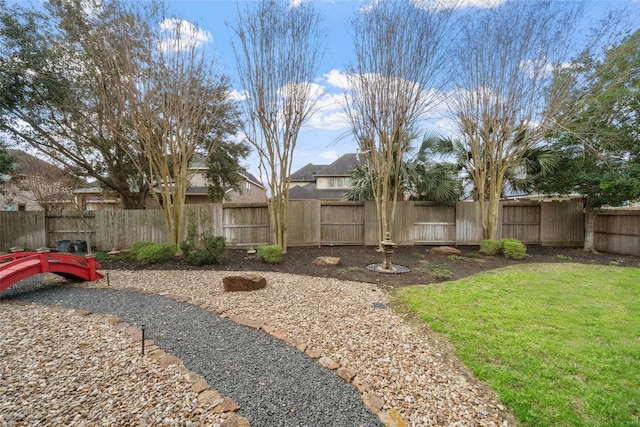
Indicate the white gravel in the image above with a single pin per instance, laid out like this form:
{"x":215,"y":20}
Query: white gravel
{"x":407,"y":367}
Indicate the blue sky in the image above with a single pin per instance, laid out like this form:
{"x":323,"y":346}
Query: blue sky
{"x":326,"y":137}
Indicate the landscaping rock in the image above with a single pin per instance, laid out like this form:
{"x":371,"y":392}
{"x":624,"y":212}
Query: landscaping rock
{"x":444,"y":251}
{"x":326,"y":260}
{"x":247,"y":282}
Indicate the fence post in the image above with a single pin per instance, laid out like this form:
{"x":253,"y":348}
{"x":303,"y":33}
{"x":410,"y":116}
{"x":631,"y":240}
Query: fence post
{"x":91,"y":265}
{"x":44,"y":259}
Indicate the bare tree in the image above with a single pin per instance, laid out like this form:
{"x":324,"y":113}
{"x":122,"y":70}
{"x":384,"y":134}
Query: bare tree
{"x":46,"y":184}
{"x":502,"y":70}
{"x":278,"y":50}
{"x":177,"y":102}
{"x":400,"y":48}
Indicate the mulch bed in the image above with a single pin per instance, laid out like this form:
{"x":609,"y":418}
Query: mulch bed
{"x":424,"y":268}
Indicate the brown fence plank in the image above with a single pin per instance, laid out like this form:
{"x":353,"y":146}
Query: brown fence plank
{"x":24,"y":229}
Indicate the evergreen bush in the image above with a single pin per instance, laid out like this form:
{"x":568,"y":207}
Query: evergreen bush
{"x":490,"y":247}
{"x":513,"y":248}
{"x":271,"y":253}
{"x":157,"y":252}
{"x":135,"y":248}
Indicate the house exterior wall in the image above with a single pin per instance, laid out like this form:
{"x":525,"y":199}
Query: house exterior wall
{"x":13,"y":198}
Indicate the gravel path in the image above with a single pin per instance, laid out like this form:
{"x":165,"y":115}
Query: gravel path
{"x":399,"y":368}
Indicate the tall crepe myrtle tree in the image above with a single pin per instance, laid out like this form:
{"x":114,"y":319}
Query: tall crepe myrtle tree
{"x":178,"y":102}
{"x":278,"y":47}
{"x":400,"y":53}
{"x":502,"y":73}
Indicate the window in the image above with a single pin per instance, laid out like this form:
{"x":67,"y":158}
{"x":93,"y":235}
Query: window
{"x":22,"y":207}
{"x":339,"y":182}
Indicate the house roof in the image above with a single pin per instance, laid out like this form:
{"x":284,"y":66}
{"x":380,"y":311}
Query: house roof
{"x":310,"y":192}
{"x":28,"y":165}
{"x":200,"y":163}
{"x":306,"y":173}
{"x":343,"y":166}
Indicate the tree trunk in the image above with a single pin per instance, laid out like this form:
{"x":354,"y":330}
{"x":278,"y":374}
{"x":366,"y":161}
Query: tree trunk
{"x":589,"y":230}
{"x":492,"y":219}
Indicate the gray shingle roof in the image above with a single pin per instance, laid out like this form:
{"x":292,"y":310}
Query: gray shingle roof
{"x":306,"y":173}
{"x":343,"y":166}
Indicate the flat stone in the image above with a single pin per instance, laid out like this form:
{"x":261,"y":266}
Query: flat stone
{"x":246,"y":282}
{"x":156,"y":354}
{"x":328,"y":363}
{"x":444,"y":251}
{"x":208,"y":397}
{"x":191,"y":377}
{"x":346,"y":374}
{"x":361,"y":384}
{"x":391,"y":418}
{"x":268,"y":328}
{"x":302,"y":346}
{"x":314,"y":353}
{"x":281,"y":335}
{"x":235,"y":421}
{"x":169,"y":360}
{"x":134,"y":333}
{"x":326,"y":260}
{"x":227,"y":405}
{"x":200,"y":385}
{"x":372,"y":402}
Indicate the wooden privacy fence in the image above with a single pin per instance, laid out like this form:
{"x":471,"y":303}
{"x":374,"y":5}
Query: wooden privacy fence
{"x":315,"y":222}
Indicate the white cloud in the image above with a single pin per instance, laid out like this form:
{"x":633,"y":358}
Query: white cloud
{"x":337,"y":79}
{"x":294,"y":3}
{"x":436,"y":5}
{"x":236,"y":95}
{"x":180,"y":34}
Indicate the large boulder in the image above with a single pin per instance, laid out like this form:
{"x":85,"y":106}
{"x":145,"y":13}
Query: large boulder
{"x":326,"y":260}
{"x":444,"y":251}
{"x":246,"y":282}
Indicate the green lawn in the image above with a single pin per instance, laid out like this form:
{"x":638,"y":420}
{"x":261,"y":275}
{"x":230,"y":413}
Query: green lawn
{"x":559,"y":343}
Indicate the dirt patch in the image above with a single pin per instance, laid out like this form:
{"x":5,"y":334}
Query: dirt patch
{"x":424,"y":268}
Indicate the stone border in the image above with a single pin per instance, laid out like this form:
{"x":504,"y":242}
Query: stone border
{"x":390,"y":417}
{"x":225,"y":406}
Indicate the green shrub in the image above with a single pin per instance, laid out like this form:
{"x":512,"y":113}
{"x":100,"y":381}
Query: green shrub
{"x":271,"y":254}
{"x":135,"y":248}
{"x":103,"y":256}
{"x":513,"y":248}
{"x":490,"y":247}
{"x":205,"y":250}
{"x":157,"y":252}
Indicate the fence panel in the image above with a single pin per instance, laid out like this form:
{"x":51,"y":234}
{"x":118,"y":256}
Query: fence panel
{"x":342,"y":223}
{"x":24,"y":229}
{"x":468,"y":223}
{"x":246,"y":224}
{"x":618,"y":231}
{"x":304,"y":227}
{"x":71,"y":225}
{"x":433,"y":225}
{"x":561,"y":223}
{"x":521,"y":221}
{"x":119,"y":229}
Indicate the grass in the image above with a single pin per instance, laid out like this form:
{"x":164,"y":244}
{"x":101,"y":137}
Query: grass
{"x":352,"y":269}
{"x":559,"y":343}
{"x":437,"y":271}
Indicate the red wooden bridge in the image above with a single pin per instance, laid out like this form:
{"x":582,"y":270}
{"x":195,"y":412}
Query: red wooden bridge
{"x":19,"y":265}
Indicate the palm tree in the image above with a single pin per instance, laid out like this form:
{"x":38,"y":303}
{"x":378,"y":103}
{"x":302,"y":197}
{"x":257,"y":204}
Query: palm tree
{"x":419,"y":179}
